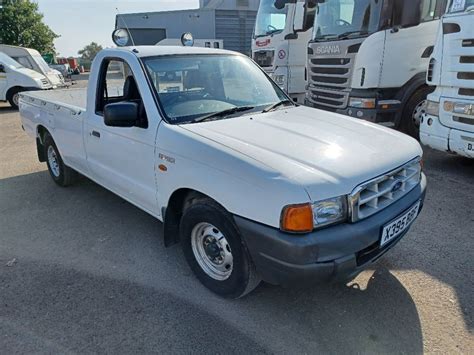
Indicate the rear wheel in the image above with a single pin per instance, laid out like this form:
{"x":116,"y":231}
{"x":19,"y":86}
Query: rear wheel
{"x":61,"y":173}
{"x":14,"y":97}
{"x":414,"y":109}
{"x":215,"y":251}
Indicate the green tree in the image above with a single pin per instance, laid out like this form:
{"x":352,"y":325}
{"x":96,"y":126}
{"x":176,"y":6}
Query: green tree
{"x":21,"y":24}
{"x":89,"y":52}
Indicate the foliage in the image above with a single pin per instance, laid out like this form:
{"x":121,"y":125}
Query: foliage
{"x":22,"y":25}
{"x":89,"y":52}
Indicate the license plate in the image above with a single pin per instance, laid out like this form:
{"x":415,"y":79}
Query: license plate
{"x":395,"y":228}
{"x":470,"y":147}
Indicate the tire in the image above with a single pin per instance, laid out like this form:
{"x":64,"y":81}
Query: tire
{"x":208,"y":232}
{"x":13,"y":97}
{"x":414,"y":108}
{"x":60,"y":173}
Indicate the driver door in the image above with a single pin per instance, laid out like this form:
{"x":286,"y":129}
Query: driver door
{"x":122,"y":158}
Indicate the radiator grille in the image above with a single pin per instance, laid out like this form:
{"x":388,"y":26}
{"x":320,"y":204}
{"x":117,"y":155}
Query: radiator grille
{"x":330,"y":75}
{"x":375,"y":195}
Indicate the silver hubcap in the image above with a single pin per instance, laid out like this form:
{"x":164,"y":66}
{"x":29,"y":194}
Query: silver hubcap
{"x":212,"y":251}
{"x":16,"y":99}
{"x":418,"y":112}
{"x":53,"y":161}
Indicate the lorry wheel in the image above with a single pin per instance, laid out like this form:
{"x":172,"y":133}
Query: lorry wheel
{"x":413,"y":111}
{"x":14,"y":98}
{"x":215,"y":251}
{"x":61,"y":173}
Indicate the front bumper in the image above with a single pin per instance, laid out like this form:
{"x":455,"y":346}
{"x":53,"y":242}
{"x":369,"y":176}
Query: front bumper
{"x":384,"y":110}
{"x":337,"y":253}
{"x":437,"y":136}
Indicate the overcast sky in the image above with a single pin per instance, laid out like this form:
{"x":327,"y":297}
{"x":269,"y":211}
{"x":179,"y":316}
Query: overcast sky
{"x":80,"y":22}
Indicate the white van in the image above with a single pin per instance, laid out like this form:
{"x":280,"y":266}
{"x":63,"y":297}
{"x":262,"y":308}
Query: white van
{"x":15,"y":78}
{"x":32,"y":59}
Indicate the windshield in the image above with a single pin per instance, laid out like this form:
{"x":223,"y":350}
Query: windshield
{"x":42,"y":63}
{"x":461,"y":5}
{"x":342,"y":19}
{"x":9,"y":62}
{"x":192,"y":86}
{"x":269,"y":18}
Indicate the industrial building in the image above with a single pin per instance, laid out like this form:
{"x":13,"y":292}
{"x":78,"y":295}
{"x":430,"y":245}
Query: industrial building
{"x":229,"y":20}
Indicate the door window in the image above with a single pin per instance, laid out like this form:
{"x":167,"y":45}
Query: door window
{"x":117,"y":84}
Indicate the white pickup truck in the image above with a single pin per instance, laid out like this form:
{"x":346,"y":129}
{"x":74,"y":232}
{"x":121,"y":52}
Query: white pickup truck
{"x":253,"y":186}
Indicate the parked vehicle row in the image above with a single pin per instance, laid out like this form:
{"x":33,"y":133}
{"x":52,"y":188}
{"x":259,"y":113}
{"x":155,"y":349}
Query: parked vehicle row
{"x":15,"y":78}
{"x":253,"y":186}
{"x":32,"y":59}
{"x":370,"y":60}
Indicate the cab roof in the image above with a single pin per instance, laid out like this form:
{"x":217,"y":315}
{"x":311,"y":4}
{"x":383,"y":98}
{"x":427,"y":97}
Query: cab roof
{"x":151,"y":51}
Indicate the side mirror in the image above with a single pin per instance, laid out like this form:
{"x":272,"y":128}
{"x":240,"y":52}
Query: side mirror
{"x":298,"y":22}
{"x":280,"y":4}
{"x":121,"y":114}
{"x":2,"y":68}
{"x":411,"y":13}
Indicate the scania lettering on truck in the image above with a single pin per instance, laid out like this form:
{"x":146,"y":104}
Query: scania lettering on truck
{"x":448,"y":124}
{"x":280,"y":38}
{"x":251,"y":185}
{"x":368,"y":59}
{"x":15,"y":78}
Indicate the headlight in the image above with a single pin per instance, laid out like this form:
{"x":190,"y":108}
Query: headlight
{"x":279,"y":79}
{"x":432,"y":108}
{"x":329,"y":211}
{"x":358,"y":102}
{"x":306,"y":217}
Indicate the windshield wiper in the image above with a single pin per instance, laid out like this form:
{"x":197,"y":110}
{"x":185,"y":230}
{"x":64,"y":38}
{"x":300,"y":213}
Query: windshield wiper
{"x":324,"y":37}
{"x":277,"y":104}
{"x":223,"y":113}
{"x":348,"y":33}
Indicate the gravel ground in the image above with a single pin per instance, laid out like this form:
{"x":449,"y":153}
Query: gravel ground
{"x":82,"y":271}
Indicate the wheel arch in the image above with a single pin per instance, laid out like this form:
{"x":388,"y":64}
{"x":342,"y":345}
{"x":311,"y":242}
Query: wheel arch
{"x":12,"y":89}
{"x":405,"y":93}
{"x":173,"y":212}
{"x":41,"y":132}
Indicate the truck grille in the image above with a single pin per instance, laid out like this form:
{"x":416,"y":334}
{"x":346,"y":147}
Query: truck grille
{"x":264,"y":58}
{"x":330,"y":76}
{"x":375,"y":195}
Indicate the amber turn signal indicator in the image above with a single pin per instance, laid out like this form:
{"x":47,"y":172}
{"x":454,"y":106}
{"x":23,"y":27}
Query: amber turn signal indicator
{"x":297,"y":218}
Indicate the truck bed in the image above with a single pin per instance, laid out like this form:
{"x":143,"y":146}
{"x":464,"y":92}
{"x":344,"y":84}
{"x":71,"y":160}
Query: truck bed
{"x":72,"y":99}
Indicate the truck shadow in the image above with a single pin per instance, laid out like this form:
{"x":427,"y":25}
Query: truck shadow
{"x":55,"y":309}
{"x":380,"y":316}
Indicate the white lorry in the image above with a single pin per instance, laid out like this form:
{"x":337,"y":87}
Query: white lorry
{"x":32,"y":59}
{"x":368,"y":59}
{"x":280,"y":40}
{"x":448,"y":124}
{"x":15,"y":78}
{"x":253,"y":186}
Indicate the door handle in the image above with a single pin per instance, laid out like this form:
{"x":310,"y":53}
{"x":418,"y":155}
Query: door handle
{"x":95,"y":134}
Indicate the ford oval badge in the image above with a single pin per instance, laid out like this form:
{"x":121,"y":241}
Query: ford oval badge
{"x":397,"y":186}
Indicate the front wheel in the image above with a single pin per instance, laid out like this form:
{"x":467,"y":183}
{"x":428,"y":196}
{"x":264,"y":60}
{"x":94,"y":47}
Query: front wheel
{"x":414,"y":109}
{"x":215,"y":251}
{"x":14,"y":98}
{"x":60,"y":172}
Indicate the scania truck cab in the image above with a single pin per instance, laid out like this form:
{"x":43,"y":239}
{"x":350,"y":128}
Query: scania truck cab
{"x":368,"y":59}
{"x":281,"y":35}
{"x":448,"y":124}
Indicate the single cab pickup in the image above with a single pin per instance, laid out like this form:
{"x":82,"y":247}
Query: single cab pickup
{"x":253,"y":186}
